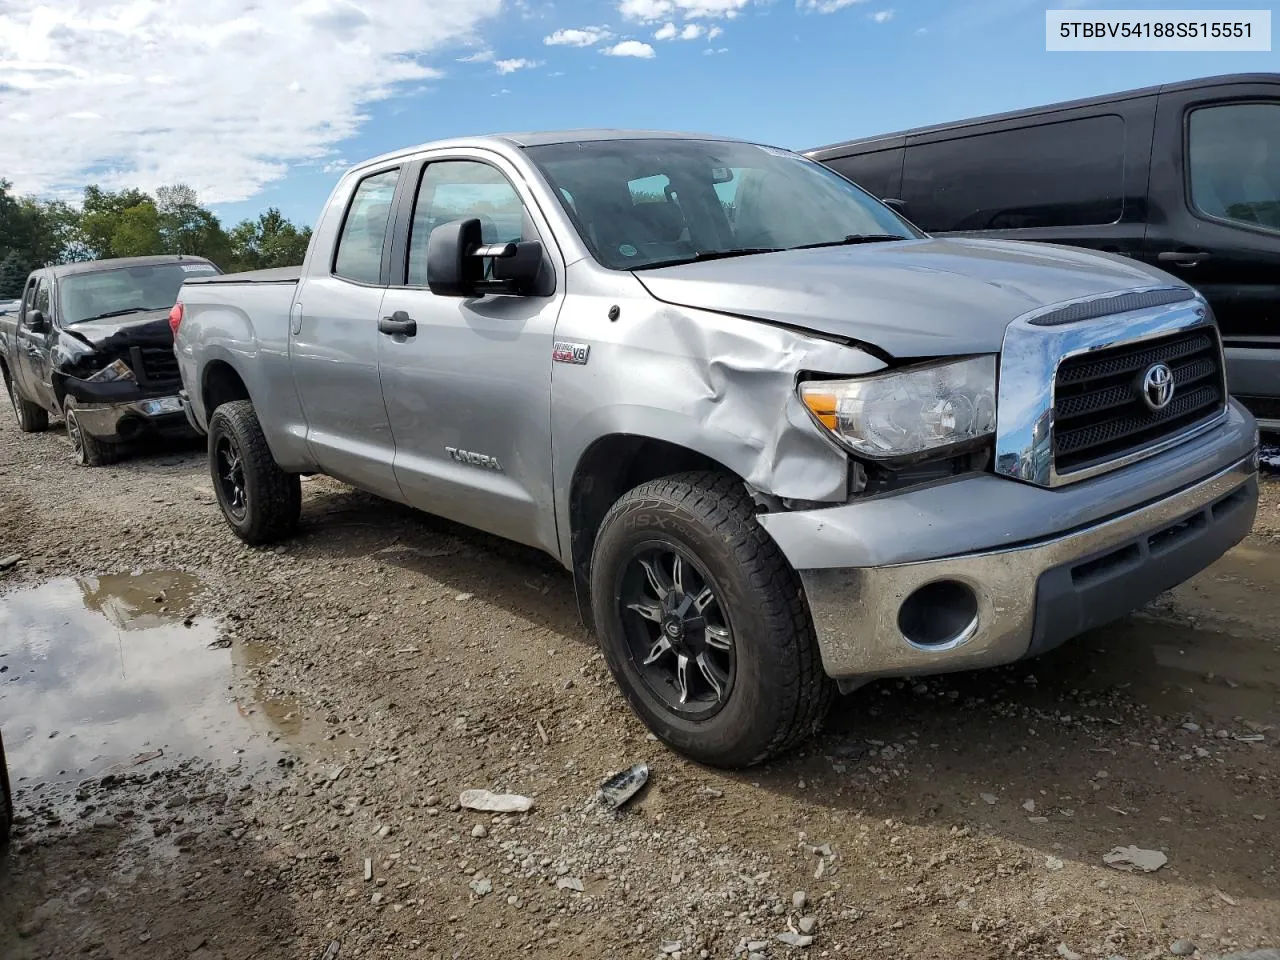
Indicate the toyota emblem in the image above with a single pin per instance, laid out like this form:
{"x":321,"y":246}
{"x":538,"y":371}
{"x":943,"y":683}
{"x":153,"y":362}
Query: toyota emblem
{"x":1157,"y":386}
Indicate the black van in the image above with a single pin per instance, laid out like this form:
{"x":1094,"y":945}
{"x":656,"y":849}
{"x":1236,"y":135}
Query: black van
{"x":1185,"y":176}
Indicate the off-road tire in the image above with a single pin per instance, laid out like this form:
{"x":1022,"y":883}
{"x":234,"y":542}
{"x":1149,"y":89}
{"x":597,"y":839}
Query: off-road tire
{"x":89,"y":450}
{"x":273,"y":498}
{"x":780,"y":694}
{"x":32,"y":418}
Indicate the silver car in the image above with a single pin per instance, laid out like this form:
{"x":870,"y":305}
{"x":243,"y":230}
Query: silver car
{"x":783,"y":441}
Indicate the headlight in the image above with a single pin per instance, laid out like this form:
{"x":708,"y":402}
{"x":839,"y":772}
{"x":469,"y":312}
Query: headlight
{"x":119,"y":370}
{"x":908,"y":411}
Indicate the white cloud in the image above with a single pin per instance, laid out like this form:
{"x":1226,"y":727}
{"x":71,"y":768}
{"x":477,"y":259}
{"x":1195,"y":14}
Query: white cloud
{"x":825,"y":6}
{"x":712,"y":51}
{"x":580,"y":37}
{"x":713,"y":33}
{"x":882,"y":16}
{"x":667,"y":31}
{"x":480,"y":56}
{"x":511,"y":66}
{"x":630,"y":48}
{"x":651,"y":11}
{"x":691,"y":31}
{"x":646,"y":10}
{"x":199,"y":91}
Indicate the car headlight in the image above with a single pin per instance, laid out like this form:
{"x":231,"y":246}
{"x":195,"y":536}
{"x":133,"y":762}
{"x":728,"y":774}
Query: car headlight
{"x":118,"y":370}
{"x":910,"y":411}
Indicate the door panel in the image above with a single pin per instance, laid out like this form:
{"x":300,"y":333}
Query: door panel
{"x":1215,"y":219}
{"x":33,"y":348}
{"x":334,"y":347}
{"x":468,"y":394}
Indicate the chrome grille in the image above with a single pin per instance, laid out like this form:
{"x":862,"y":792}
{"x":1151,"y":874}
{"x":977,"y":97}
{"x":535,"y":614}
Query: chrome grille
{"x":1099,"y":410}
{"x":156,"y":365}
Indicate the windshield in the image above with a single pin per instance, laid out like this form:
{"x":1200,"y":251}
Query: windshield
{"x":124,"y":290}
{"x":646,"y":203}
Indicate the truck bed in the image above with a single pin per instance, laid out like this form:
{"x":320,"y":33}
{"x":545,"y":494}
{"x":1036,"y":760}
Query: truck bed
{"x":287,"y":275}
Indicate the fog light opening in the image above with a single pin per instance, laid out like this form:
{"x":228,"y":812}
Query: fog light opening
{"x":939,"y":614}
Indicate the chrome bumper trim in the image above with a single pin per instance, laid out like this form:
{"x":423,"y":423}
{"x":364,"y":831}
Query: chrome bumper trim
{"x":855,"y":610}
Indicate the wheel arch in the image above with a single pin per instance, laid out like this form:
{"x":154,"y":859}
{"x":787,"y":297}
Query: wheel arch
{"x":609,"y":467}
{"x":220,"y":383}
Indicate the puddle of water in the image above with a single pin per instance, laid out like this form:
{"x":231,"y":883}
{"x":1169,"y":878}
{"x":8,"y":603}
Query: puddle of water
{"x":99,"y":671}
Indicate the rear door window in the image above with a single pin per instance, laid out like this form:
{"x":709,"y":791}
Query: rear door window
{"x":1233,"y":163}
{"x":364,"y":231}
{"x":1069,"y":173}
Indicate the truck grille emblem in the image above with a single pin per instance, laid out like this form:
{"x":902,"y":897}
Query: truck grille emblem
{"x":1157,"y":386}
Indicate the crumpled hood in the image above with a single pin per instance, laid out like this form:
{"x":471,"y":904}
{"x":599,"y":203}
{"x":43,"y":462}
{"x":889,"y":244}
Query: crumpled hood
{"x":913,"y":298}
{"x":132,"y":329}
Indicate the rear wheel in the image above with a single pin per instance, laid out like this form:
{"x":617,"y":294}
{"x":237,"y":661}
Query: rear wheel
{"x":89,"y":450}
{"x":702,"y":622}
{"x":260,"y":501}
{"x":32,"y":418}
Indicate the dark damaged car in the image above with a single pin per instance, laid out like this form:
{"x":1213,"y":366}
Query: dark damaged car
{"x":92,"y":343}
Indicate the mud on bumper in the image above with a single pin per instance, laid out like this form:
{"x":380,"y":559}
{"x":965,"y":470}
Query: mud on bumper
{"x":991,"y":606}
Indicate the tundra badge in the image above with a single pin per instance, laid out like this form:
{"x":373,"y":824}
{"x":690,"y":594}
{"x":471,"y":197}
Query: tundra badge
{"x":562,"y":351}
{"x":475,"y":459}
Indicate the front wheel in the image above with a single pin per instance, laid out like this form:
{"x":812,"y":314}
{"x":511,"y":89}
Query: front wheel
{"x":260,"y":501}
{"x":89,"y":450}
{"x":702,"y":622}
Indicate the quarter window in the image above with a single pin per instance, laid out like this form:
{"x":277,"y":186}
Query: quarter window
{"x":359,"y":255}
{"x":459,"y":190}
{"x":42,"y":298}
{"x":1069,"y":173}
{"x":1234,"y":162}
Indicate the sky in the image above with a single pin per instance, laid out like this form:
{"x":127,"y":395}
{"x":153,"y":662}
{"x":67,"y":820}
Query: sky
{"x":259,"y":103}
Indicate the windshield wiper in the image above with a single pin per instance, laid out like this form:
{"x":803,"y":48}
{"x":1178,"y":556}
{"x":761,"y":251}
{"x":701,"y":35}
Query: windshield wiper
{"x":702,"y":255}
{"x":852,"y":239}
{"x":116,"y":313}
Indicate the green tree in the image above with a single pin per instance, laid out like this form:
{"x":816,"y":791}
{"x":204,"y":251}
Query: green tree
{"x":13,"y":275}
{"x":270,"y":241}
{"x":100,"y":217}
{"x":187,"y":227}
{"x":137,"y":232}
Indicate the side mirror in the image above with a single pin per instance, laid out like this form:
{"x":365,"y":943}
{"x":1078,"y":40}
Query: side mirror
{"x":36,"y":321}
{"x":897,"y":206}
{"x":456,"y":255}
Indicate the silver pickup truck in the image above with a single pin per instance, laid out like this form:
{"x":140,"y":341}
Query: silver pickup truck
{"x":784,"y":442}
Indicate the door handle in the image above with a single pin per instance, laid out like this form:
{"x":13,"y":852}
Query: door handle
{"x":398,"y":323}
{"x":1183,"y":258}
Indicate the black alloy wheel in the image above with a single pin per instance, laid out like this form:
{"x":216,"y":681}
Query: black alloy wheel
{"x":228,"y":468}
{"x":678,"y":634}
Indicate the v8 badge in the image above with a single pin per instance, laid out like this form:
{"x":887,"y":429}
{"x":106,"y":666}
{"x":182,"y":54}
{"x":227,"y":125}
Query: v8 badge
{"x":562,"y":351}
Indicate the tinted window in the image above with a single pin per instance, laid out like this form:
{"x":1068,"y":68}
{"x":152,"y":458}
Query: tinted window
{"x":459,"y":190}
{"x":644,"y":203}
{"x":359,"y":255}
{"x":878,"y":172}
{"x":1062,"y":174}
{"x":1234,"y":162}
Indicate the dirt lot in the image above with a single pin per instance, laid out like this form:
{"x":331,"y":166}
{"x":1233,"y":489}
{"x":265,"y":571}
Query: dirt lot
{"x":230,"y":753}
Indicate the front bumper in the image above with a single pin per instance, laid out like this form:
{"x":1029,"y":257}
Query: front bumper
{"x":1056,"y":573}
{"x":133,"y":419}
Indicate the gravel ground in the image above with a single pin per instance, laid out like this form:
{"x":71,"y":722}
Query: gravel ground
{"x":383,"y":661}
